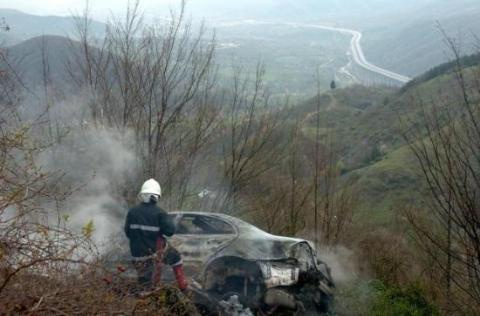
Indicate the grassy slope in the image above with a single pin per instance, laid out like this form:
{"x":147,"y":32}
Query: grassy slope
{"x":388,"y":185}
{"x":366,"y":123}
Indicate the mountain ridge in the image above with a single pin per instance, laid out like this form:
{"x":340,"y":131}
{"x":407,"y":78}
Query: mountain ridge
{"x":24,"y":26}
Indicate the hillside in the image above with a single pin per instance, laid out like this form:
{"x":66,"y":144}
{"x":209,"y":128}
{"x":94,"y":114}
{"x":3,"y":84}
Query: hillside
{"x":413,"y":43}
{"x":45,"y":53}
{"x":366,"y":128}
{"x":24,"y":26}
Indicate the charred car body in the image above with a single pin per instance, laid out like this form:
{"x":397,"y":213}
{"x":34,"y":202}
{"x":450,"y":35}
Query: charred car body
{"x":228,"y":256}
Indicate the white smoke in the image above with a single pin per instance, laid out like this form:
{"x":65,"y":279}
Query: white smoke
{"x":8,"y":214}
{"x":342,"y":262}
{"x":96,"y":163}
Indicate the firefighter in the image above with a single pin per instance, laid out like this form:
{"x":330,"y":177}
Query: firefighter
{"x":146,"y":227}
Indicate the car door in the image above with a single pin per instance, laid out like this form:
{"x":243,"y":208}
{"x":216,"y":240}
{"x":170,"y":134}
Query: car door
{"x":199,"y":237}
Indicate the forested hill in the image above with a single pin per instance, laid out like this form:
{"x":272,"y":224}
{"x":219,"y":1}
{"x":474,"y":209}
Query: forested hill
{"x":24,"y":26}
{"x":44,"y":53}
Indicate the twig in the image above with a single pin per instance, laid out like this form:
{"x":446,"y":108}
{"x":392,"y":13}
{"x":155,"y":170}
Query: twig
{"x":38,"y":304}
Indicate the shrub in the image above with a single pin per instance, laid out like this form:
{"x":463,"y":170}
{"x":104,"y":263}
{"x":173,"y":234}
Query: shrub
{"x":409,"y":300}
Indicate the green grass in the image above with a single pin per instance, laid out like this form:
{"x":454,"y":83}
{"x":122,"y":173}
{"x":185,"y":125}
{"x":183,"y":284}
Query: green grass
{"x":388,"y":185}
{"x":402,"y":301}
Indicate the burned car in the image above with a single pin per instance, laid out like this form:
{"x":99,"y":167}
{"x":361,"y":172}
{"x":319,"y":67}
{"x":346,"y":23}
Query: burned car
{"x":227,"y":257}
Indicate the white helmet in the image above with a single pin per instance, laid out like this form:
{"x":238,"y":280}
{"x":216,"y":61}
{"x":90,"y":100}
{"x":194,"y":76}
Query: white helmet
{"x":150,"y":188}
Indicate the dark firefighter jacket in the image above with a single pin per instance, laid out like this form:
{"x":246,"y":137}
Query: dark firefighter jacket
{"x":144,"y":224}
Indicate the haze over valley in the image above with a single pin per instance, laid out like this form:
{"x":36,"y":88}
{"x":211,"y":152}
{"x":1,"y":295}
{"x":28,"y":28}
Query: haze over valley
{"x":396,"y":36}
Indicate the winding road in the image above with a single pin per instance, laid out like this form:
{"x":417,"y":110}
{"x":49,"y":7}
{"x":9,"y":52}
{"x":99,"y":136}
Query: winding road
{"x":355,"y":49}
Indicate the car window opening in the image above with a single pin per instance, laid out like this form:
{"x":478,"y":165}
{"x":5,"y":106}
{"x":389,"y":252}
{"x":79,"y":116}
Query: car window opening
{"x":203,"y":225}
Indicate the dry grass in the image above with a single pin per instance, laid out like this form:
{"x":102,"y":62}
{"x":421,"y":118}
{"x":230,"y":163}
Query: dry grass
{"x":87,"y":293}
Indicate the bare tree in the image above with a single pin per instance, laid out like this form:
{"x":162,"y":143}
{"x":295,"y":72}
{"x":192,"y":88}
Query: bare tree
{"x":304,"y":191}
{"x":282,"y":199}
{"x":251,"y":143}
{"x":299,"y":189}
{"x":446,"y":143}
{"x":34,"y":240}
{"x":156,"y":80}
{"x":335,"y":197}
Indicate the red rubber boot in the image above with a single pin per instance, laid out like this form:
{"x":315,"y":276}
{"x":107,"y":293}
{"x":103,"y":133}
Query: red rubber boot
{"x":180,"y":277}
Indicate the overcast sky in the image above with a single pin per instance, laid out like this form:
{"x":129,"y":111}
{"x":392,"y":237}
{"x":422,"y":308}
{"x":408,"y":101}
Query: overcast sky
{"x":100,"y":8}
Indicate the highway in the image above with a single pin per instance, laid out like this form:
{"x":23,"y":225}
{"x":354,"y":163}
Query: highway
{"x":355,"y":50}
